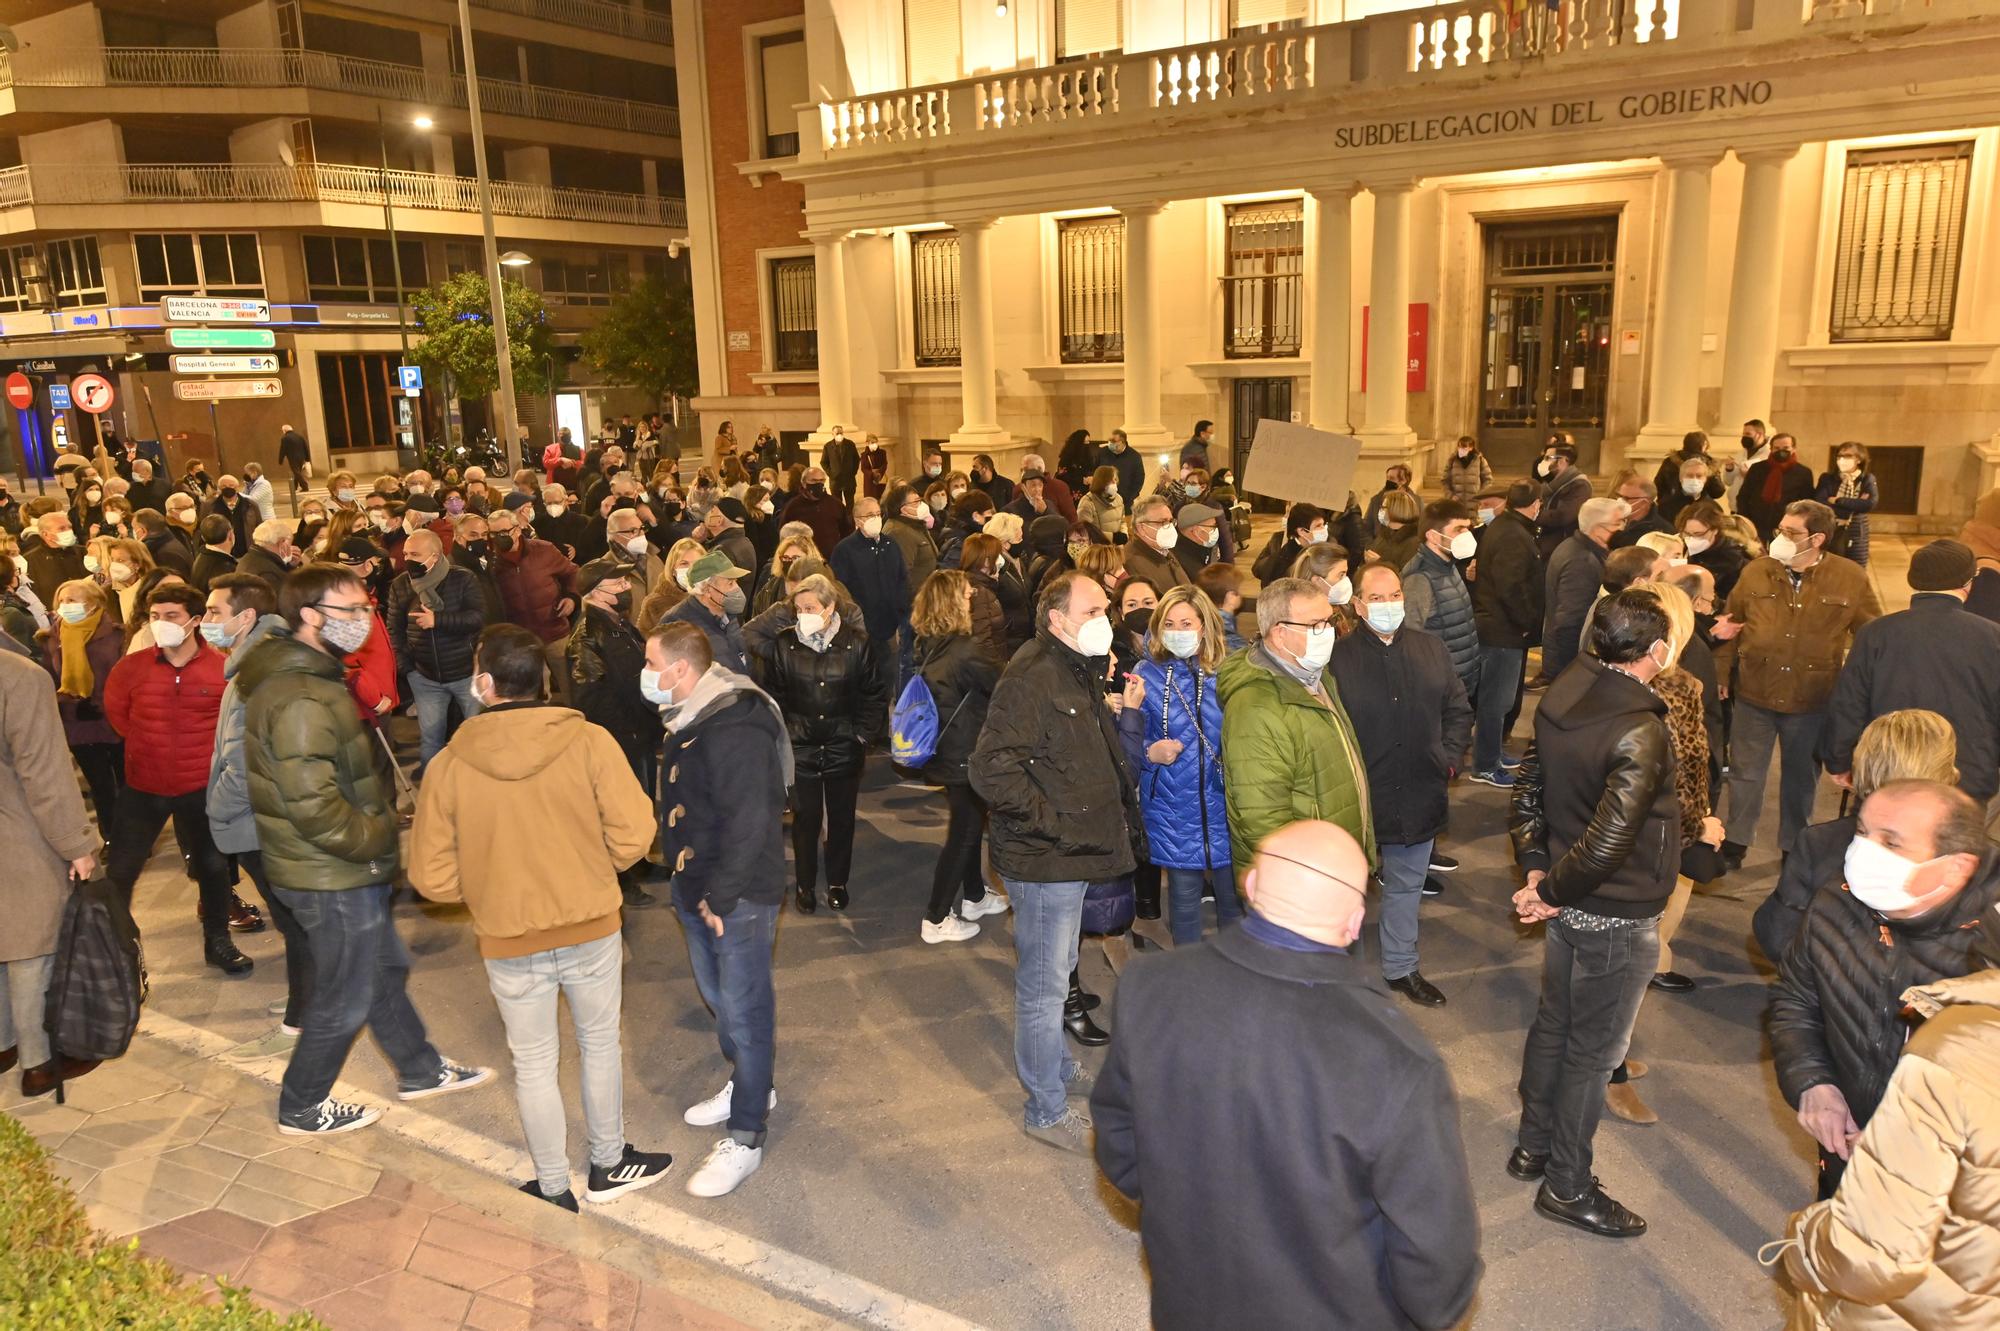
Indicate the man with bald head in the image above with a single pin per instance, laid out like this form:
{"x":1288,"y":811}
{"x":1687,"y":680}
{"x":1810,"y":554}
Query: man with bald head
{"x":436,"y":611}
{"x":1234,"y":1064}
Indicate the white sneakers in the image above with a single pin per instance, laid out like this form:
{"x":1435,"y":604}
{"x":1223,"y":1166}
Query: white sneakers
{"x":951,"y":929}
{"x":726,"y":1166}
{"x":990,"y":904}
{"x":715,"y":1109}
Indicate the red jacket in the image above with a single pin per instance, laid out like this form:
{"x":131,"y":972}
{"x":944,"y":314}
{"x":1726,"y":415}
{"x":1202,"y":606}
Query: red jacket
{"x":167,"y":714}
{"x":533,"y":576}
{"x":371,"y":673}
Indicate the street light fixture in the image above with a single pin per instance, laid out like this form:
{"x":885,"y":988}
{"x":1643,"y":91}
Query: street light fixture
{"x":510,"y":442}
{"x":396,"y":274}
{"x":423,"y":122}
{"x":515,"y":259}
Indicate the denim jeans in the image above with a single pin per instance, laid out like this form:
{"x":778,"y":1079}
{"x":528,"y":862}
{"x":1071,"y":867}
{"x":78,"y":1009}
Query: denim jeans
{"x":1184,"y":889}
{"x":590,"y":976}
{"x":298,"y":952}
{"x":1797,"y":737}
{"x":1499,"y":685}
{"x":733,"y":973}
{"x":24,"y":989}
{"x":1048,"y":918}
{"x":361,"y":975}
{"x":433,"y":699}
{"x":1404,"y":869}
{"x":1592,"y":982}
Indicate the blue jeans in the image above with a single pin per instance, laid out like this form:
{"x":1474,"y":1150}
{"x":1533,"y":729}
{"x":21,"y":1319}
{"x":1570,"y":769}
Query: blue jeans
{"x":591,"y":976}
{"x":1754,"y":733}
{"x":1048,"y":918}
{"x":432,"y":699}
{"x":733,"y":973}
{"x":1499,"y":685}
{"x":1184,"y":888}
{"x":1403,"y":871}
{"x":360,"y":977}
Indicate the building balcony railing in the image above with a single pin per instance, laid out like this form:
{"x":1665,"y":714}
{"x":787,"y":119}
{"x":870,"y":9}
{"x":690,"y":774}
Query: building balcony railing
{"x":278,"y":67}
{"x":1437,"y":45}
{"x":61,"y":186}
{"x":597,"y":15}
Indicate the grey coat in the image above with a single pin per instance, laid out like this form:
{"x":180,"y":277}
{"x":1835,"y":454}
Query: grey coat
{"x":231,"y":820}
{"x":43,"y":825}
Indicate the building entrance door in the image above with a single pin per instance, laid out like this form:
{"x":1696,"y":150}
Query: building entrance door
{"x":1256,"y":400}
{"x":1547,"y":352}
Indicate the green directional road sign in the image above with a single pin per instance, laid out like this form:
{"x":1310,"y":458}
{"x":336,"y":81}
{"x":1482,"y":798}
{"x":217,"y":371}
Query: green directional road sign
{"x":244,"y":338}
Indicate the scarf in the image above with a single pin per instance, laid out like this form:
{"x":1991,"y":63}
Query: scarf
{"x":425,"y":584}
{"x":77,"y":679}
{"x":1774,"y":476}
{"x":1850,"y":485}
{"x":715,"y":682}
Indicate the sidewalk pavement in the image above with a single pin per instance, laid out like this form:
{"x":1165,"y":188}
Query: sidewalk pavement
{"x":364,"y":1230}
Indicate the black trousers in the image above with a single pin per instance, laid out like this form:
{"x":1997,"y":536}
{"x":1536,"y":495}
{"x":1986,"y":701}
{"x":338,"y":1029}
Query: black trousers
{"x":836,"y":795}
{"x":140,"y":818}
{"x":104,"y":773}
{"x":298,"y":950}
{"x":959,"y":872}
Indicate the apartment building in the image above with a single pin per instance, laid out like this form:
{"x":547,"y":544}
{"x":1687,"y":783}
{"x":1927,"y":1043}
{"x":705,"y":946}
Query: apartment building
{"x":1621,"y":219}
{"x":264,"y":151}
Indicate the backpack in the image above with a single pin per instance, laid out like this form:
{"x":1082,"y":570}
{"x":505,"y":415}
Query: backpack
{"x":913,"y":723}
{"x":95,"y":987}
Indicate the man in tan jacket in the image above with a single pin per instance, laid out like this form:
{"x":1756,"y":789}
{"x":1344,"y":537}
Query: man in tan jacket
{"x":1791,"y":619}
{"x":527,"y":816}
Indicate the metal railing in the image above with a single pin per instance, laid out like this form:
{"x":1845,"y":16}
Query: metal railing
{"x":276,"y":67}
{"x":24,"y":186}
{"x":597,"y":15}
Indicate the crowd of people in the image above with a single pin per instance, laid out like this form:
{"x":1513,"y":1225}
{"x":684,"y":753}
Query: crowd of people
{"x":627,"y":666}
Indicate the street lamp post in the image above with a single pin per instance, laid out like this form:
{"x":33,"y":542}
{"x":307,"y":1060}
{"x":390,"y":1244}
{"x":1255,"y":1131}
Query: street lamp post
{"x":510,"y":430}
{"x":396,"y":269}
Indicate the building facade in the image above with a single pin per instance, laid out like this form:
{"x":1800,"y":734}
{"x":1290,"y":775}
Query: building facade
{"x":264,"y":151}
{"x":1620,"y":219}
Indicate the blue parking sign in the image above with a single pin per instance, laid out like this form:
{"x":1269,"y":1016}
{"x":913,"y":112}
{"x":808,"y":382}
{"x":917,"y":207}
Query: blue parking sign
{"x":411,"y":377}
{"x":59,"y":397}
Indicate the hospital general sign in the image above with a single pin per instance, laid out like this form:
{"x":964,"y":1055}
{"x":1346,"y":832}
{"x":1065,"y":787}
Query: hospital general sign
{"x":1632,"y":108}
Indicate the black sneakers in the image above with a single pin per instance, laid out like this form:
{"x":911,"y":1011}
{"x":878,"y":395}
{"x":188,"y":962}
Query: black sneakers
{"x":326,"y":1118}
{"x":635,"y":1169}
{"x":565,"y":1199}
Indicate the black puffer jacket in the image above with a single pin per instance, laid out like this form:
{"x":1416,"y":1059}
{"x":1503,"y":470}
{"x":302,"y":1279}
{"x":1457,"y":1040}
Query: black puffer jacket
{"x":605,"y":655}
{"x":962,"y":678}
{"x":1050,"y":766}
{"x":1836,"y":1010}
{"x":443,"y":651}
{"x":1817,"y":860}
{"x":831,"y":700}
{"x":1594,"y":801}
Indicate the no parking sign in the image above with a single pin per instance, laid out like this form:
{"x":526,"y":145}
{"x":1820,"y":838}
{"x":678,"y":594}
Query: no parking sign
{"x":93,"y":392}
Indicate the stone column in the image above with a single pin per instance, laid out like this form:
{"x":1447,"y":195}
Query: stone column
{"x":1385,"y":429}
{"x":1674,"y":390}
{"x":1143,"y":427}
{"x":1332,"y":296}
{"x":1750,"y":343}
{"x":836,"y":386}
{"x":979,"y":431}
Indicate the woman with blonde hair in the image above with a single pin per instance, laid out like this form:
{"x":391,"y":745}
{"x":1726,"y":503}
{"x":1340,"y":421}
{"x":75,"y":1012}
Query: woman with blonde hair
{"x":122,"y":564}
{"x":791,"y":548}
{"x":672,"y":587}
{"x":1010,"y":531}
{"x":1667,"y":545}
{"x":1104,"y":564}
{"x":961,"y":676}
{"x":1173,"y":740}
{"x":85,"y":641}
{"x":1911,"y":744}
{"x":1396,"y":545}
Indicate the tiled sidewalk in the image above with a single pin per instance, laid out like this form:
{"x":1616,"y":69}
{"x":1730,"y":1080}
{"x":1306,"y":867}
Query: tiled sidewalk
{"x":186,"y":1155}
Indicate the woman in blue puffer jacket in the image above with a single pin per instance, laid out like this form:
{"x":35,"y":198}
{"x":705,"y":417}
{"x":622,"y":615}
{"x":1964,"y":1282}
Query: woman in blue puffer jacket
{"x":1173,"y":738}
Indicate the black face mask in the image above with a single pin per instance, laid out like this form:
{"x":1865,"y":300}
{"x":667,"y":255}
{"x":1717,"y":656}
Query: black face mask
{"x":1749,"y":443}
{"x":1137,"y":622}
{"x":502,"y":542}
{"x":815,"y":489}
{"x":477,"y":549}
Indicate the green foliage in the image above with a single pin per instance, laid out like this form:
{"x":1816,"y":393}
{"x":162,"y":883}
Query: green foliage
{"x":646,"y":340}
{"x":456,"y":318}
{"x":58,"y":1274}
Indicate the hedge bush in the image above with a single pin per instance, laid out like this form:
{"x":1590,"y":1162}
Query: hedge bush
{"x":58,"y":1274}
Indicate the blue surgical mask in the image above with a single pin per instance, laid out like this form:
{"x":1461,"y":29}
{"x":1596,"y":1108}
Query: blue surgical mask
{"x":218,"y":635}
{"x":651,"y":689}
{"x":73,"y":612}
{"x":1183,"y":643}
{"x":1384,"y":616}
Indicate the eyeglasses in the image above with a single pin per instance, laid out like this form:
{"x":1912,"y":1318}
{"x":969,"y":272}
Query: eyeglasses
{"x":1310,"y":626}
{"x":325,"y":607}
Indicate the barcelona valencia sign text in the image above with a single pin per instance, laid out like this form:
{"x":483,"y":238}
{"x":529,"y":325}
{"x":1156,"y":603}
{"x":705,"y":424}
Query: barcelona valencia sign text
{"x":1636,"y":106}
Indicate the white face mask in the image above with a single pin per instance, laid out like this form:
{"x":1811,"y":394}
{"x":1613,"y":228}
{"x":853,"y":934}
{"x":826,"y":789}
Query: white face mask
{"x":168,"y":634}
{"x":681,"y":576}
{"x":871,"y":527}
{"x":1094,"y":638}
{"x":1783,"y":548}
{"x":1166,"y":538}
{"x":65,"y":539}
{"x":1341,"y":592}
{"x":1878,"y":877}
{"x":1316,"y":536}
{"x":767,"y":508}
{"x":1692,"y":488}
{"x":1697,"y":544}
{"x":1183,"y":643}
{"x":1318,"y":649}
{"x":810,"y":624}
{"x":636,"y":545}
{"x":90,"y":562}
{"x":121,"y":574}
{"x":557,"y":510}
{"x":1207,"y":540}
{"x":1464,"y":545}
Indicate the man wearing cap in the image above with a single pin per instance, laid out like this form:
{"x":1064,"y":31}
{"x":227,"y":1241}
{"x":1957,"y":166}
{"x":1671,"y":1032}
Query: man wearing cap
{"x":716,"y":608}
{"x":1200,"y":541}
{"x":1285,"y":1005}
{"x":1150,"y":552}
{"x":1936,"y":655}
{"x":1792,"y":615}
{"x":1055,"y":491}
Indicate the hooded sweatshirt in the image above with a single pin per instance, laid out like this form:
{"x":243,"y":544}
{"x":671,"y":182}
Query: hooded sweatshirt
{"x":527,"y":816}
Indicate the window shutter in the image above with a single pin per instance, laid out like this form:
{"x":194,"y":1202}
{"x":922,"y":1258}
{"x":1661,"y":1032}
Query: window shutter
{"x":932,"y":39}
{"x":784,"y":82}
{"x":1087,"y":27}
{"x":1256,"y":13}
{"x":934,"y":288}
{"x":1902,"y":222}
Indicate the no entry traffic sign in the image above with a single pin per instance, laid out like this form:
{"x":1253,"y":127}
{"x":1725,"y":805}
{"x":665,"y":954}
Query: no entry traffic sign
{"x":20,"y":391}
{"x":93,"y":392}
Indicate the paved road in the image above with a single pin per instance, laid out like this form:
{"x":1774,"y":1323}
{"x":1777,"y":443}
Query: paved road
{"x":895,"y":1154}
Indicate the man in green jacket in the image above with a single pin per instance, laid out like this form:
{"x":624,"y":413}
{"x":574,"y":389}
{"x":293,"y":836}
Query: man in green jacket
{"x":327,"y":824}
{"x":1288,"y":749}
